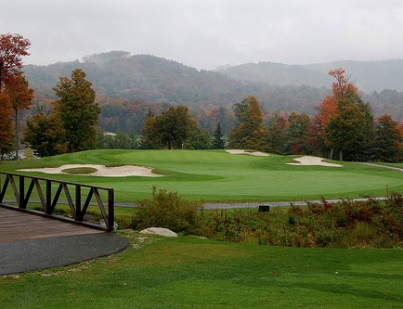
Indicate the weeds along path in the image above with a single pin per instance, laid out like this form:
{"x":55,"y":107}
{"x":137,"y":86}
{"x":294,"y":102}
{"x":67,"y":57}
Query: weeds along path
{"x":212,"y":206}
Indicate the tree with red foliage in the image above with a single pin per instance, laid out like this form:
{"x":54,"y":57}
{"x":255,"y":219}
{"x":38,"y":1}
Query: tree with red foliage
{"x":6,"y":126}
{"x":344,"y":122}
{"x":20,"y":97}
{"x":17,"y":95}
{"x":12,"y":49}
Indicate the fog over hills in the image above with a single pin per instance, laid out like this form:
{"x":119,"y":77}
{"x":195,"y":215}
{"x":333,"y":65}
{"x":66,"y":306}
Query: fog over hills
{"x":118,"y":71}
{"x":278,"y":87}
{"x":368,"y":76}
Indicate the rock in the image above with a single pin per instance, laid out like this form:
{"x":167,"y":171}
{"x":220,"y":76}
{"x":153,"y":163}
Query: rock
{"x":159,"y":231}
{"x":103,"y":224}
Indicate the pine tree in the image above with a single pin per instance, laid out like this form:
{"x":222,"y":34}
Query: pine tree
{"x":218,"y":141}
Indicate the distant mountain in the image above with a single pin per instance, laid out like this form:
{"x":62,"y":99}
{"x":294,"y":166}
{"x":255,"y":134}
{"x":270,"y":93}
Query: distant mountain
{"x":143,"y":77}
{"x":278,"y":87}
{"x":368,"y":76}
{"x":277,"y":74}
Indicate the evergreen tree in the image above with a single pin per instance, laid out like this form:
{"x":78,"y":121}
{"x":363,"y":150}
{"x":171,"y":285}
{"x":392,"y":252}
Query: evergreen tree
{"x":218,"y":141}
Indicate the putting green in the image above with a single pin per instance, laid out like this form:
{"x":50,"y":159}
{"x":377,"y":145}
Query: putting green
{"x":223,"y":177}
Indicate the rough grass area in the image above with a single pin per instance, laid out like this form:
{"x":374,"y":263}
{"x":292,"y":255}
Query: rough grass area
{"x":190,"y":272}
{"x":347,"y":224}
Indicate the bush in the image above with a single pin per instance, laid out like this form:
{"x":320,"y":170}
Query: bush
{"x":345,"y":224}
{"x":167,"y":210}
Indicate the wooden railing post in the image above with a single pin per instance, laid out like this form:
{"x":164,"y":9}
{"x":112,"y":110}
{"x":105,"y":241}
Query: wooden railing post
{"x":111,"y":209}
{"x":21,"y":202}
{"x":79,"y":215}
{"x":48,"y":200}
{"x":49,"y":203}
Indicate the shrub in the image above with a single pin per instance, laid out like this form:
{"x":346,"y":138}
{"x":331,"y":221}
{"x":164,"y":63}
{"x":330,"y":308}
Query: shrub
{"x":168,"y":210}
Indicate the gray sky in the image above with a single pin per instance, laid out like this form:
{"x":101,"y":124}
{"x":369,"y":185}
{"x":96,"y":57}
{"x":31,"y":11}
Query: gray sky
{"x":206,"y":33}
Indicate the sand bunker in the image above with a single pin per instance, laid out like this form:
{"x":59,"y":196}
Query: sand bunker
{"x":309,"y":160}
{"x":254,"y":153}
{"x":101,"y":170}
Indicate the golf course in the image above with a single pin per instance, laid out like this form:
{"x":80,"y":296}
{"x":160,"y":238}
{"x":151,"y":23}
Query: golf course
{"x":219,"y":176}
{"x":197,"y":272}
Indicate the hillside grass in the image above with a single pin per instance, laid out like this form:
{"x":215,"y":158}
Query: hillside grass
{"x":190,"y":272}
{"x":217,"y":176}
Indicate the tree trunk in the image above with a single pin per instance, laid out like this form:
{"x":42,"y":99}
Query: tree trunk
{"x":341,"y":155}
{"x":16,"y":134}
{"x":331,"y":154}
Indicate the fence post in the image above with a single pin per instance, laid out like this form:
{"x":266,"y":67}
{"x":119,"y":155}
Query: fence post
{"x":111,"y":211}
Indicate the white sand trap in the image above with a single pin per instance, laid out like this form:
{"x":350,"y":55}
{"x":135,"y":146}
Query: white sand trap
{"x":254,"y":153}
{"x":309,"y":160}
{"x":102,"y":170}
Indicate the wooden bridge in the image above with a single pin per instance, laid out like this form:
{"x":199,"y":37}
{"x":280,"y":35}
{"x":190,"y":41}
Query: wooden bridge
{"x":18,"y":222}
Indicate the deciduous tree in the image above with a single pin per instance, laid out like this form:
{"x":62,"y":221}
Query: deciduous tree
{"x":250,"y":132}
{"x":388,"y":139}
{"x":344,"y":123}
{"x":297,"y":131}
{"x":20,"y":99}
{"x":12,"y":48}
{"x":343,"y":128}
{"x":44,"y":134}
{"x":278,"y":135}
{"x":6,"y":125}
{"x":170,"y":129}
{"x":77,"y":110}
{"x":16,"y":96}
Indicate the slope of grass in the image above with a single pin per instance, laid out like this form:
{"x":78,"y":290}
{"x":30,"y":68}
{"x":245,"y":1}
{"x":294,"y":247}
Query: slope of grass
{"x":219,"y":176}
{"x":190,"y":272}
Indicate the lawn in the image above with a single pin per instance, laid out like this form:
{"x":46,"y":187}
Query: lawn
{"x":217,"y":176}
{"x":190,"y":272}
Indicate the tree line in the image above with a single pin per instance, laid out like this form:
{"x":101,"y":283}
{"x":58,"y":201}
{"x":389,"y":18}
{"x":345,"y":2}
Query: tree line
{"x":343,"y":127}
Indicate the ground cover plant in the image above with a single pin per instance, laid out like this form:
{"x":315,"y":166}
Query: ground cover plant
{"x":217,"y":176}
{"x":192,"y":272}
{"x":344,"y":224}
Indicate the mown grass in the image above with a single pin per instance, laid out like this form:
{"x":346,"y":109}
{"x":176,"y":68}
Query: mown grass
{"x":217,"y":176}
{"x":189,"y":272}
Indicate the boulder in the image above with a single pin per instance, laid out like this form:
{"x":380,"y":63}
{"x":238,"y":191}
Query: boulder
{"x":159,"y":231}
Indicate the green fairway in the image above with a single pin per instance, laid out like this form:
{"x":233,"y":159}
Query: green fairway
{"x":189,"y":272}
{"x":223,"y":177}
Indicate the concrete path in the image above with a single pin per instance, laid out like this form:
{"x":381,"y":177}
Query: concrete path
{"x":27,"y":255}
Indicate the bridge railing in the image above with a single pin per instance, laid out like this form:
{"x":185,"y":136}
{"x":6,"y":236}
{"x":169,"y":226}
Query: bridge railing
{"x":49,"y":191}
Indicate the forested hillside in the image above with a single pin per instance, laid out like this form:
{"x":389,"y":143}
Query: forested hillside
{"x":128,"y":86}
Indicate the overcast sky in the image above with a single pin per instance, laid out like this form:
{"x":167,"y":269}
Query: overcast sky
{"x":206,"y":33}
